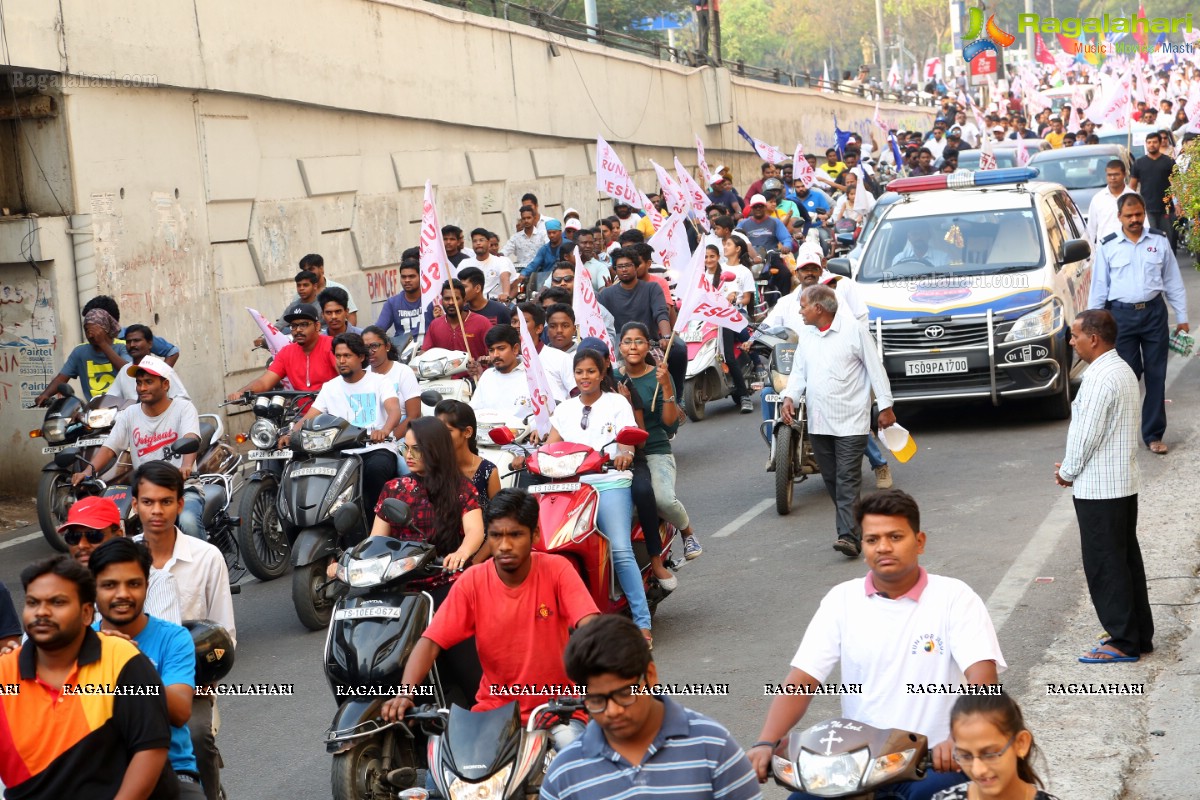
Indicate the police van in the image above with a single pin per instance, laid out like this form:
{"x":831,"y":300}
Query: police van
{"x":972,"y":281}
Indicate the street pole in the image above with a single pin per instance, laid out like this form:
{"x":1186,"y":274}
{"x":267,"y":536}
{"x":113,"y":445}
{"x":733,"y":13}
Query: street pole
{"x":879,"y":34}
{"x":589,"y":17}
{"x":1029,"y":52}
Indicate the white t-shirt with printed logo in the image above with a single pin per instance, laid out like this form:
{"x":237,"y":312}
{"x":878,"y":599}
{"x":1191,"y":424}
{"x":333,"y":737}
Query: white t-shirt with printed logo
{"x":887,"y":644}
{"x":359,"y":403}
{"x":504,"y":392}
{"x":146,"y":437}
{"x":610,"y":413}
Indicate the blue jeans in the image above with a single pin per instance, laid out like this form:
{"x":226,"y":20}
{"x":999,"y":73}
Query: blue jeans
{"x":874,"y":454}
{"x":190,"y":515}
{"x":614,"y":516}
{"x":924,"y":789}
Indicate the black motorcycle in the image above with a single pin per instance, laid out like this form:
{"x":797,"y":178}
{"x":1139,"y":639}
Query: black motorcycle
{"x":375,"y":626}
{"x":69,"y":423}
{"x":265,"y":541}
{"x":491,"y":754}
{"x":320,"y":481}
{"x":791,"y":454}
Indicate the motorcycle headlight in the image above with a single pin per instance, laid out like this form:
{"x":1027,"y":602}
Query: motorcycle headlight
{"x":785,"y":772}
{"x":101,"y":417}
{"x":1041,"y":322}
{"x":487,"y":789}
{"x":342,"y":498}
{"x":886,"y":766}
{"x":560,"y":466}
{"x":264,"y":434}
{"x":401,"y":567}
{"x":432,"y":369}
{"x":827,"y":776}
{"x":577,"y":525}
{"x":365,"y":572}
{"x":317,"y":441}
{"x":55,"y":430}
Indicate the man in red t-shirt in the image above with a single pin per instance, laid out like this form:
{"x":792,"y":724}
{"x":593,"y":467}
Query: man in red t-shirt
{"x":307,"y":362}
{"x":520,"y":606}
{"x":447,"y":331}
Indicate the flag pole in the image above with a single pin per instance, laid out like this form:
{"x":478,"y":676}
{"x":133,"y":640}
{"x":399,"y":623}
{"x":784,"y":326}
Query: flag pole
{"x":658,"y":386}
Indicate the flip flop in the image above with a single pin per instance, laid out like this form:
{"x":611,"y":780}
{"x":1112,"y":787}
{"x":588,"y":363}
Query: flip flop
{"x":1104,"y":655}
{"x":1158,"y":448}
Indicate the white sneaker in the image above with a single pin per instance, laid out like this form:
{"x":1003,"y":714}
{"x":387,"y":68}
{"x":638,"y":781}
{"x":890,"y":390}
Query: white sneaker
{"x":883,"y":477}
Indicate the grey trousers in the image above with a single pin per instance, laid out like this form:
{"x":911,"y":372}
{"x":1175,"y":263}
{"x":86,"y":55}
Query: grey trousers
{"x":840,"y":459}
{"x":204,"y":744}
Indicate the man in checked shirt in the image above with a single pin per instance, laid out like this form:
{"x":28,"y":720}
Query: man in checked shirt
{"x":1101,"y":466}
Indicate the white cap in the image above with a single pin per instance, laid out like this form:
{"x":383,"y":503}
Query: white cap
{"x":573,"y":224}
{"x":808,"y":253}
{"x":154,"y":365}
{"x":758,"y":200}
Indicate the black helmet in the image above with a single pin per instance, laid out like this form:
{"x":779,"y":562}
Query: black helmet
{"x":772,"y":185}
{"x":214,"y":650}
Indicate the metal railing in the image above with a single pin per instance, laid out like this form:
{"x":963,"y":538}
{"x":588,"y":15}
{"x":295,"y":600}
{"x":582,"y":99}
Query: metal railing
{"x":656,"y":48}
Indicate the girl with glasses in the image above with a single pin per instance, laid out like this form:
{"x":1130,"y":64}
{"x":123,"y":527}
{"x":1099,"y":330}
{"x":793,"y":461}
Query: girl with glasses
{"x":594,"y":418}
{"x":459,"y":419}
{"x":994,"y":749}
{"x":384,"y":359}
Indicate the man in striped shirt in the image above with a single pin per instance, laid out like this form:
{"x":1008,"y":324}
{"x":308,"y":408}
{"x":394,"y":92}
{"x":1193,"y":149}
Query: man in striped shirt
{"x":836,"y":367}
{"x":639,"y":744}
{"x":1101,"y":467}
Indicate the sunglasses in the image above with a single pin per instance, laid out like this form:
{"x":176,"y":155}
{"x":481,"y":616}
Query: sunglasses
{"x":73,"y":536}
{"x":563,"y":279}
{"x":410,"y":449}
{"x":583,"y":422}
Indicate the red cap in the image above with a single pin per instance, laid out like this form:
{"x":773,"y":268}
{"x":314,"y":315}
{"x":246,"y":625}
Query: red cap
{"x":92,"y":512}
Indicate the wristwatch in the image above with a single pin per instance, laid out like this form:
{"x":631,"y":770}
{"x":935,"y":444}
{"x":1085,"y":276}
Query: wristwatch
{"x":670,"y":399}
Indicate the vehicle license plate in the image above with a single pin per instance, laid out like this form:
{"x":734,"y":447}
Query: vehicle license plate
{"x":367,"y":612}
{"x":261,"y":455}
{"x":89,"y":442}
{"x":934,"y":366}
{"x":772,"y":398}
{"x":543,"y":488}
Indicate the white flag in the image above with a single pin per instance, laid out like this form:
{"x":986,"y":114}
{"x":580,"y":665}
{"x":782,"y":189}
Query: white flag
{"x":275,"y":340}
{"x":677,"y":201}
{"x":435,"y":264}
{"x":705,"y":172}
{"x":987,"y":153}
{"x":825,"y":85}
{"x":656,"y":218}
{"x":894,"y":79}
{"x":611,"y":176}
{"x":696,"y":196}
{"x":587,"y":307}
{"x":540,"y":396}
{"x":801,"y":169}
{"x":670,"y":243}
{"x":700,"y":302}
{"x":1022,"y":154}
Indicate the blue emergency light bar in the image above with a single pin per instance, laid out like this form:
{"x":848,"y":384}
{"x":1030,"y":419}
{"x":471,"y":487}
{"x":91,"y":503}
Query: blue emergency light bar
{"x":964,"y":180}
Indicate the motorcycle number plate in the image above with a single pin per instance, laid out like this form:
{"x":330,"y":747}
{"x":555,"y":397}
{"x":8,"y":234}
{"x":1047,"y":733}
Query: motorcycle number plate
{"x":304,"y":471}
{"x":90,"y":442}
{"x":262,"y":455}
{"x":54,"y":448}
{"x":544,"y":488}
{"x":772,"y":398}
{"x":368,"y":612}
{"x":692,"y":336}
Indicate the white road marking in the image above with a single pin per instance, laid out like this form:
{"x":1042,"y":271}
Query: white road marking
{"x":29,"y":537}
{"x":748,"y":515}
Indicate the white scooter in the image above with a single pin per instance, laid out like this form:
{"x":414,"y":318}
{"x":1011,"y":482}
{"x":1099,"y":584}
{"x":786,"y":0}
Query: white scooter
{"x":434,"y":369}
{"x":502,"y":456}
{"x":707,"y":377}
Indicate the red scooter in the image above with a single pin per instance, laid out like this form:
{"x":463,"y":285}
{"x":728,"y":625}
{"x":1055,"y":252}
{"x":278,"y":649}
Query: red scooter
{"x":567,"y":518}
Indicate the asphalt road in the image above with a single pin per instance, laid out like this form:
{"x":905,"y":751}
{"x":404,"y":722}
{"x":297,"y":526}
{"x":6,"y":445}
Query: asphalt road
{"x":983,"y":478}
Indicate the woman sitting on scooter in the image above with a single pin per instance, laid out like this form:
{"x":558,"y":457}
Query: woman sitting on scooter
{"x":459,"y":418}
{"x":738,"y":254}
{"x":660,"y":418}
{"x":444,"y":505}
{"x":593,"y":418}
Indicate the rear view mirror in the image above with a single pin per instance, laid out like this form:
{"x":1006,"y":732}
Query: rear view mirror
{"x":65,"y":459}
{"x":726,"y":277}
{"x":839,"y":266}
{"x":1075,"y":250}
{"x":396,"y":512}
{"x":430,"y":397}
{"x":632,"y":437}
{"x":347,"y":517}
{"x":185,"y":446}
{"x":502,"y":435}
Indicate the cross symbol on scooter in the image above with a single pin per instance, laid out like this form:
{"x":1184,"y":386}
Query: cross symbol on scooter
{"x":828,"y":741}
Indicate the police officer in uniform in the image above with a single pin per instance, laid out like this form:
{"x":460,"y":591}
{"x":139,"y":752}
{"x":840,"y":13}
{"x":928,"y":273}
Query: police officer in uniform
{"x":1134,"y":276}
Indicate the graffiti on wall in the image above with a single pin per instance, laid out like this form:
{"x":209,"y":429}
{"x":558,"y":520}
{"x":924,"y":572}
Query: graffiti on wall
{"x":26,"y":336}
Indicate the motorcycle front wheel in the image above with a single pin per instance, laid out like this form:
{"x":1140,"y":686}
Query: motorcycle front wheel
{"x":312,"y":606}
{"x":264,"y":544}
{"x":357,"y":774}
{"x":53,"y":500}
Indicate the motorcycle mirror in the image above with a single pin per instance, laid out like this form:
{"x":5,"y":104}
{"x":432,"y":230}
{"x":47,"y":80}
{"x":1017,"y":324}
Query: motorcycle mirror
{"x":726,"y":277}
{"x":400,"y":342}
{"x":65,"y":459}
{"x":839,"y":266}
{"x":395,"y":512}
{"x":346,"y":518}
{"x":185,"y":446}
{"x":502,"y":435}
{"x":430,"y":397}
{"x":631,"y":436}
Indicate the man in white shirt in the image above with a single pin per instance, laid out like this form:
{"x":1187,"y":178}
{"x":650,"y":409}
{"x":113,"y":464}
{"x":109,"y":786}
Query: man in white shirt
{"x":523,"y":245}
{"x":139,"y":341}
{"x":498,"y":272}
{"x":558,"y":356}
{"x":502,"y":387}
{"x":836,"y":367}
{"x":896,"y":634}
{"x":366,"y":400}
{"x":969,"y":131}
{"x":200,"y":577}
{"x":1102,"y":211}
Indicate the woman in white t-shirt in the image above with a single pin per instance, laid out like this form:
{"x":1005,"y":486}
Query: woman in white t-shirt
{"x":594,"y":418}
{"x":740,"y":291}
{"x":383,"y":359}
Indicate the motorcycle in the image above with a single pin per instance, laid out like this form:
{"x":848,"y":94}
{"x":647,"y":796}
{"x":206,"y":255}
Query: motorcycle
{"x":319,"y":481}
{"x":707,"y":376}
{"x":264,"y":542}
{"x":435,"y":368}
{"x":375,"y":626}
{"x":848,"y":759}
{"x":502,"y":456}
{"x":845,"y":235}
{"x":478,"y":754}
{"x":567,"y":518}
{"x":69,"y":423}
{"x":791,"y":454}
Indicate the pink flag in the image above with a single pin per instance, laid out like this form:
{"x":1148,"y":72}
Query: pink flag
{"x":540,"y":396}
{"x":801,"y":169}
{"x":696,"y":196}
{"x":670,"y":243}
{"x":587,"y":308}
{"x":987,"y":153}
{"x":677,"y":201}
{"x":700,"y":302}
{"x":435,"y":264}
{"x":275,"y":340}
{"x":611,"y":176}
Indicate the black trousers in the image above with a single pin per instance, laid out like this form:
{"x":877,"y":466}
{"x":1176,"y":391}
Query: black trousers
{"x":1116,"y":577}
{"x":840,"y":459}
{"x":677,"y":361}
{"x":645,"y":505}
{"x":379,"y":467}
{"x":204,"y":744}
{"x":1142,"y":342}
{"x":729,"y":351}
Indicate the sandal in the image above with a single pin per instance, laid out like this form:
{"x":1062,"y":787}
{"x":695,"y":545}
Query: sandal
{"x":649,"y":639}
{"x":1106,"y":654}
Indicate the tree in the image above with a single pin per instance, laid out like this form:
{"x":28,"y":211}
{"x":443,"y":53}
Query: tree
{"x":747,"y":33}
